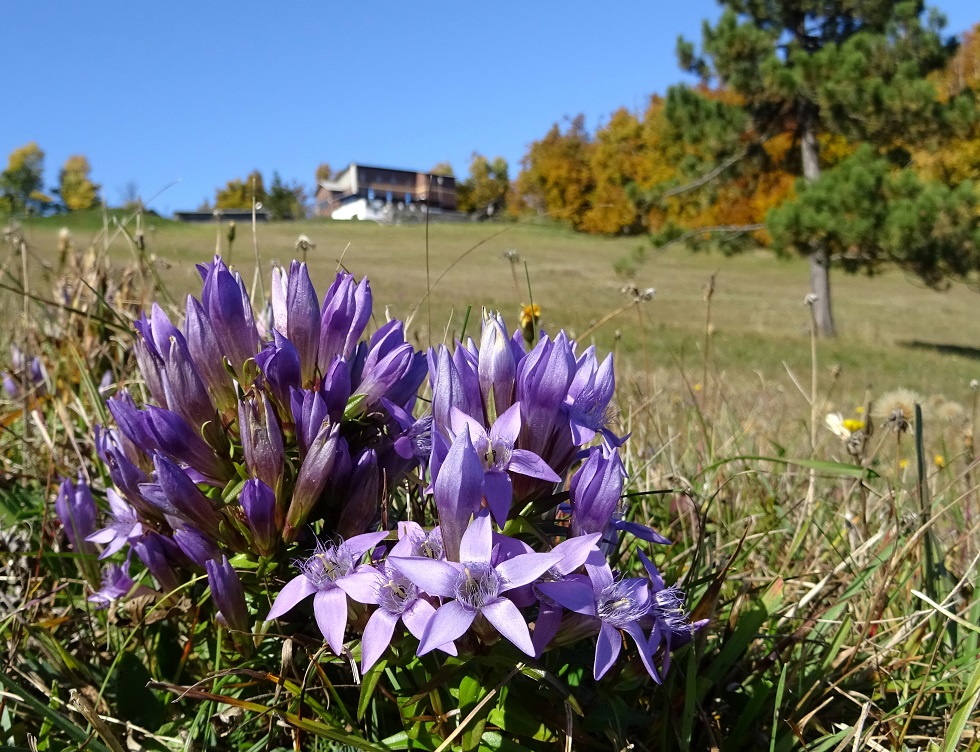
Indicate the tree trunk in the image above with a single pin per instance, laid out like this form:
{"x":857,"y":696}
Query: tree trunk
{"x":819,"y":258}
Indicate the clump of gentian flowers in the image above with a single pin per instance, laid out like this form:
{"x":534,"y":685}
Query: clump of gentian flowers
{"x":282,"y":441}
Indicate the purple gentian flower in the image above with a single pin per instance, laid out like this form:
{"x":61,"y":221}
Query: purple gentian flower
{"x":498,"y":456}
{"x":397,"y":598}
{"x":325,"y":576}
{"x":116,"y":584}
{"x":458,"y":491}
{"x":76,"y":509}
{"x":392,"y":368}
{"x":296,"y":313}
{"x":475,"y":585}
{"x":124,"y":525}
{"x":588,"y":400}
{"x":125,"y":474}
{"x":415,"y":440}
{"x":228,"y":308}
{"x":228,"y":594}
{"x":175,"y":438}
{"x":346,"y":311}
{"x":453,"y":386}
{"x":672,"y":626}
{"x":194,"y":544}
{"x":497,"y":366}
{"x":617,"y":604}
{"x":362,"y":503}
{"x":259,"y":504}
{"x":159,"y":553}
{"x":312,"y":478}
{"x":595,"y":490}
{"x":280,"y":364}
{"x":202,"y":343}
{"x":261,"y":438}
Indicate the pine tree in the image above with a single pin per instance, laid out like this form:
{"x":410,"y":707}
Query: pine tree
{"x":855,"y":69}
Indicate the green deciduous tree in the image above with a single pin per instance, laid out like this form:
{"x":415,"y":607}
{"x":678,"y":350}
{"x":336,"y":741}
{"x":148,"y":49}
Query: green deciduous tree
{"x":820,"y":68}
{"x":485,"y":190}
{"x":22,"y":182}
{"x":77,"y":191}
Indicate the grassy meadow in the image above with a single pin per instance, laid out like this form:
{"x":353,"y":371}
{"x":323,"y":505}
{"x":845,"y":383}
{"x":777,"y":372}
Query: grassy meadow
{"x":838,"y":572}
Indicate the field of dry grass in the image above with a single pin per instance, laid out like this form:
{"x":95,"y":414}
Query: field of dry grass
{"x":893,"y":331}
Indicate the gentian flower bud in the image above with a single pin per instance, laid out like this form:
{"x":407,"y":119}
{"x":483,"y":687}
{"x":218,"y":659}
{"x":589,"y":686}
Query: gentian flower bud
{"x":131,"y":421}
{"x":158,"y":553}
{"x":76,"y":509}
{"x":171,"y":434}
{"x":151,"y":348}
{"x":194,"y":544}
{"x":451,"y":388}
{"x":309,"y":412}
{"x":279,"y":363}
{"x":497,"y":367}
{"x":346,"y":311}
{"x":259,"y":504}
{"x":184,"y":497}
{"x":228,"y":594}
{"x":261,"y":439}
{"x":125,"y":474}
{"x":396,"y":376}
{"x":595,"y":490}
{"x":312,"y":477}
{"x":188,"y":396}
{"x":227,"y":305}
{"x":202,"y":343}
{"x":362,"y":504}
{"x":303,"y":319}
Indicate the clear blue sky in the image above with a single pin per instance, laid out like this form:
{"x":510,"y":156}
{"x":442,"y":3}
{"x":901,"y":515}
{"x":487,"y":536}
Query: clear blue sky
{"x":202,"y":92}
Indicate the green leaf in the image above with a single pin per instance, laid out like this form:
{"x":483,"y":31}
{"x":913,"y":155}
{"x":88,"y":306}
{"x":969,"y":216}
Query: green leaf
{"x":369,"y":683}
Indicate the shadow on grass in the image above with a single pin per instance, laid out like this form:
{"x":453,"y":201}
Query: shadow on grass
{"x":943,"y":348}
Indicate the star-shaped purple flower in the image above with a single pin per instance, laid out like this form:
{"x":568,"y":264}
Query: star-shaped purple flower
{"x":395,"y":595}
{"x":124,"y":525}
{"x":473,"y":586}
{"x":617,"y":604}
{"x":325,"y":575}
{"x":496,"y":451}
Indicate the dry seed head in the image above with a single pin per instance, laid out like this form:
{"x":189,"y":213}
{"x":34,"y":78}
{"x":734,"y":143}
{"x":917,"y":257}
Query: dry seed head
{"x":897,"y":408}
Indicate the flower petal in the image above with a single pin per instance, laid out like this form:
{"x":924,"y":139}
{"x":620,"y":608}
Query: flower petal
{"x":296,"y":589}
{"x":377,"y":637}
{"x":645,"y":647}
{"x":528,"y":463}
{"x":499,"y":493}
{"x":508,"y":620}
{"x":524,"y":569}
{"x":477,"y":542}
{"x":361,"y":544}
{"x":448,"y":623}
{"x":362,"y":585}
{"x":574,"y":595}
{"x":607,"y":649}
{"x":433,"y":576}
{"x":330,"y":610}
{"x":508,"y":425}
{"x":417,"y":617}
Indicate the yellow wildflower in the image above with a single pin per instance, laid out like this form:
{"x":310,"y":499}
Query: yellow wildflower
{"x":939,"y":460}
